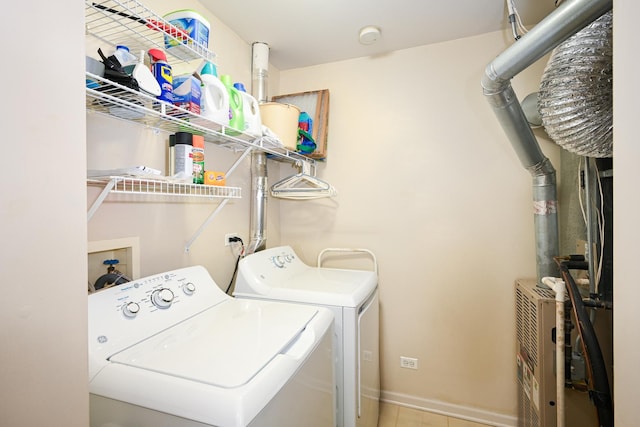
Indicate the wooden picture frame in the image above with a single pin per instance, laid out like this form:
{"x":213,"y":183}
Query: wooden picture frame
{"x":316,"y":104}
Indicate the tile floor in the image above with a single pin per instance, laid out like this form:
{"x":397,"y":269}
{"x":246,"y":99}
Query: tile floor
{"x":400,"y":416}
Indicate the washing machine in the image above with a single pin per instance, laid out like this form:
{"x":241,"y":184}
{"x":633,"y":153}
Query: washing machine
{"x":172,"y":350}
{"x":278,"y":274}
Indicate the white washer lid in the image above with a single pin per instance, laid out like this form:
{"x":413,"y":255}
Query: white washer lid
{"x":224,"y":346}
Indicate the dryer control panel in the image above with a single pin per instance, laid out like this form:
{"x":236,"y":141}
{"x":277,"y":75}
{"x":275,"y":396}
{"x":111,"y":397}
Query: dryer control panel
{"x":123,"y":315}
{"x":278,"y":273}
{"x":280,"y":260}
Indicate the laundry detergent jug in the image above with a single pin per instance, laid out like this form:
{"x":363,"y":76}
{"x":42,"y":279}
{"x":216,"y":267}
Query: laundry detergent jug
{"x":251,"y":112}
{"x":214,"y":102}
{"x":236,"y":113}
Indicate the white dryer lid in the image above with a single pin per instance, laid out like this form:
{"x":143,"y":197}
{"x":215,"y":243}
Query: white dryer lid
{"x":224,"y":346}
{"x":327,"y":286}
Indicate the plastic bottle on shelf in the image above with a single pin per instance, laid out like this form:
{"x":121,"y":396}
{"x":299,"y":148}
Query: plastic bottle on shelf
{"x":236,"y":114}
{"x":214,"y":104}
{"x":184,"y":156}
{"x":250,"y":111}
{"x":198,"y":159}
{"x":127,"y":60}
{"x":171,"y":156}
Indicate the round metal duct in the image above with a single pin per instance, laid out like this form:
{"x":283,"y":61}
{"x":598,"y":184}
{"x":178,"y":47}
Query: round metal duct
{"x":575,"y":100}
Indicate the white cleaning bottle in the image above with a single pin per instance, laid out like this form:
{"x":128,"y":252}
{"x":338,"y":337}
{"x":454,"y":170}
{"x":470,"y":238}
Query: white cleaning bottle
{"x":127,"y":60}
{"x":251,"y":111}
{"x":214,"y":103}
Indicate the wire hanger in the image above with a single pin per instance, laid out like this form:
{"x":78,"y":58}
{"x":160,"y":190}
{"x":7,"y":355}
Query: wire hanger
{"x":302,"y":186}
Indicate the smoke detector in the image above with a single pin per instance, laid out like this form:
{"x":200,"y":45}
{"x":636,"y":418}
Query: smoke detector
{"x":369,"y":34}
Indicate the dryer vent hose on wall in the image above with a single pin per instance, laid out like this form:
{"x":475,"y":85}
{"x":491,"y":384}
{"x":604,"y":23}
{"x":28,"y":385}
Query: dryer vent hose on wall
{"x":575,"y":100}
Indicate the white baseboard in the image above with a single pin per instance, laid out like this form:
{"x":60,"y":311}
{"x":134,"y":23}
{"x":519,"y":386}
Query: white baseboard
{"x":449,"y":409}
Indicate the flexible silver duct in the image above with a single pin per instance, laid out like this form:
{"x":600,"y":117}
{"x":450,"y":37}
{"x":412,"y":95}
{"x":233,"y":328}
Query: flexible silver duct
{"x":258,"y":208}
{"x":576,"y":93}
{"x":569,"y":18}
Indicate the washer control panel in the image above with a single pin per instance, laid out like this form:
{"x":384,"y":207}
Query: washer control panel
{"x":125,"y":314}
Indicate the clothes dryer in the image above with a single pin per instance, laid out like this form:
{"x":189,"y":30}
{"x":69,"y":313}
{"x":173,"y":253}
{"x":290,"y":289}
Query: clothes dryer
{"x":278,"y":274}
{"x":174,"y":350}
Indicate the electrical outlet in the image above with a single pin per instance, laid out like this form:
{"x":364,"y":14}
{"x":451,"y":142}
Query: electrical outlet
{"x":228,"y":237}
{"x":408,"y":362}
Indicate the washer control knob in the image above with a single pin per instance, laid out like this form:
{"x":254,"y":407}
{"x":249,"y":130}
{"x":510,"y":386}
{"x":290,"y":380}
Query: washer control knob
{"x":131,"y":309}
{"x":288,"y":257}
{"x":162,"y":298}
{"x":189,"y":288}
{"x":278,"y":261}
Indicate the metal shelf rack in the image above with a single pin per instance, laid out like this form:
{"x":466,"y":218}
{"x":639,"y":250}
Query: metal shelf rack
{"x":128,"y":22}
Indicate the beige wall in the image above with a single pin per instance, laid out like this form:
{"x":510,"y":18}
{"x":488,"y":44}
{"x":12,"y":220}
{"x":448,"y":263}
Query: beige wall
{"x":43,"y":319}
{"x":429,"y":182}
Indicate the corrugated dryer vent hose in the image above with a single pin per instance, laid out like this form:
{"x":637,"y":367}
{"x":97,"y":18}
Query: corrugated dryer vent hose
{"x":575,"y":100}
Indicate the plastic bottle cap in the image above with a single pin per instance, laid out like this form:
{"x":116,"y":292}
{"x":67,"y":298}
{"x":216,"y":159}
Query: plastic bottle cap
{"x":240,"y":87}
{"x":184,"y":138}
{"x":198,"y":141}
{"x":157,"y":55}
{"x":208,"y":68}
{"x":123,"y":47}
{"x":226,"y":79}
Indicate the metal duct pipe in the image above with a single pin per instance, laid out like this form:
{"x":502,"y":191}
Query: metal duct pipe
{"x":576,"y":93}
{"x":258,"y":207}
{"x":566,"y":20}
{"x":258,"y":202}
{"x":260,"y":71}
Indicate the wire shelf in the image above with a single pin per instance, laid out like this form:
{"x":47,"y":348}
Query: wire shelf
{"x":144,"y":186}
{"x":115,"y":100}
{"x":119,"y":101}
{"x":130,"y":23}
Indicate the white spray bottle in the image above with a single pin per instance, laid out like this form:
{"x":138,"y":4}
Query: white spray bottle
{"x":214,"y":104}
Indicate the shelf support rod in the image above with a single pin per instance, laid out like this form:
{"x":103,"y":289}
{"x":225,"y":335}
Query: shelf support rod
{"x":205,"y":224}
{"x":233,"y":167}
{"x":221,"y":205}
{"x":103,"y":195}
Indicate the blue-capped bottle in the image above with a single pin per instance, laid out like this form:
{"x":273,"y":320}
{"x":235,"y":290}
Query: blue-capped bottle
{"x":126,"y":59}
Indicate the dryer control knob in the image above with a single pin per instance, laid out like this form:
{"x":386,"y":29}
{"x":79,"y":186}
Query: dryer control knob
{"x":131,"y":309}
{"x":288,"y":257}
{"x":189,"y":288}
{"x":162,"y":298}
{"x":278,"y":261}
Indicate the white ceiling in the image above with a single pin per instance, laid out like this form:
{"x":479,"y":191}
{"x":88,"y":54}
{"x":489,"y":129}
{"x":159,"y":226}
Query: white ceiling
{"x":308,"y":32}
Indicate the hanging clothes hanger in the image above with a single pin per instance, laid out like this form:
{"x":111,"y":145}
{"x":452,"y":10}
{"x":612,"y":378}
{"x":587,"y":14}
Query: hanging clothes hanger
{"x":302,"y":186}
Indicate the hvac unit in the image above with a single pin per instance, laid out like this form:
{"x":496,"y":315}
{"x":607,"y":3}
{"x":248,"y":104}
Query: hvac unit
{"x":535,"y":334}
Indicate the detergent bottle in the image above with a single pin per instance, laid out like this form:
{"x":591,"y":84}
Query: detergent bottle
{"x":236,"y":114}
{"x":214,"y":104}
{"x":251,"y":112}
